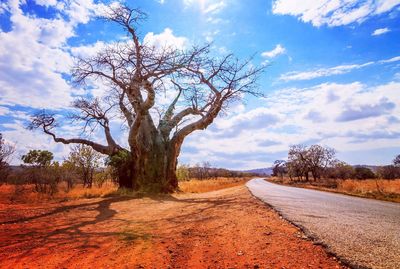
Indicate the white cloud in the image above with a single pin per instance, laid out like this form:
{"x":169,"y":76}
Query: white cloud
{"x":46,"y":3}
{"x":35,"y":56}
{"x":278,"y":50}
{"x":380,"y":31}
{"x":207,"y":6}
{"x":322,"y":72}
{"x":391,"y":60}
{"x":333,"y":13}
{"x":88,"y":50}
{"x":348,"y":117}
{"x":166,"y":39}
{"x":215,"y":7}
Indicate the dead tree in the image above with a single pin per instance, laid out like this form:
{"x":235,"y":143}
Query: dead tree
{"x":136,"y":73}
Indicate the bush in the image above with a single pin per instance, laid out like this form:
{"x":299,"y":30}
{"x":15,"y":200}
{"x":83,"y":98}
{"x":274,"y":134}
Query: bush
{"x":389,"y":172}
{"x":363,"y":173}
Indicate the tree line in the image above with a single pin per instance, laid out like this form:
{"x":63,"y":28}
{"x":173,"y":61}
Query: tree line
{"x":82,"y":166}
{"x":204,"y":170}
{"x":317,"y":162}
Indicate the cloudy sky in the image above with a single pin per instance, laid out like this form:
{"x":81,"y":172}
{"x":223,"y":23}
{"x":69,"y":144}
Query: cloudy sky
{"x":333,"y":75}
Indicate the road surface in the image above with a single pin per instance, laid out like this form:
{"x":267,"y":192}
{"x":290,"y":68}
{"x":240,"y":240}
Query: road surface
{"x":361,"y":231}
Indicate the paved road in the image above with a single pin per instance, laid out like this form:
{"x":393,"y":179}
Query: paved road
{"x":363,"y":231}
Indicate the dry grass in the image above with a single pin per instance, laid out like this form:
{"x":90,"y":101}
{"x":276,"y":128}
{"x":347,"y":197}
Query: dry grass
{"x":387,"y":190}
{"x":380,"y":189}
{"x":26,"y":193}
{"x":81,"y":192}
{"x":198,"y":186}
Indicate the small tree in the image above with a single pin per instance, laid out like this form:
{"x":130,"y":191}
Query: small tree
{"x":341,"y":170}
{"x":297,"y":162}
{"x":318,"y":158}
{"x":279,"y":168}
{"x":389,"y":172}
{"x":182,"y":172}
{"x":86,"y":161}
{"x":396,"y":160}
{"x":40,"y":173}
{"x":361,"y":172}
{"x":6,"y":152}
{"x":38,"y":158}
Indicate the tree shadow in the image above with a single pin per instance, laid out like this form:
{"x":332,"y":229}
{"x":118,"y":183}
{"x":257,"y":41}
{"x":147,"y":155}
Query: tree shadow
{"x":80,"y":231}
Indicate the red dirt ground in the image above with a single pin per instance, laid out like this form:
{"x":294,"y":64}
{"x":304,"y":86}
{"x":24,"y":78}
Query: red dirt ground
{"x":221,"y":229}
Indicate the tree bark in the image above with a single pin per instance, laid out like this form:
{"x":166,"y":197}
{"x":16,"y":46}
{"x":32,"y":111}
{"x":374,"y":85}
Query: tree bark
{"x":151,"y":166}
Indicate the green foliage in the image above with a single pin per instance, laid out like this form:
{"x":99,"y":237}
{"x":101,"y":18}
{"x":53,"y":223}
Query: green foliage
{"x":182,"y":172}
{"x":121,"y":165}
{"x":84,"y":160}
{"x":119,"y":159}
{"x":39,"y":158}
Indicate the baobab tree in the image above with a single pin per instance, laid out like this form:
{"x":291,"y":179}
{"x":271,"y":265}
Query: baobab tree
{"x":137,"y":72}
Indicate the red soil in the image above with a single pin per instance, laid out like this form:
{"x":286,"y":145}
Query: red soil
{"x":222,"y":229}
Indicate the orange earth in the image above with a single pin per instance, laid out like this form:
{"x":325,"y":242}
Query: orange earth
{"x":222,"y":229}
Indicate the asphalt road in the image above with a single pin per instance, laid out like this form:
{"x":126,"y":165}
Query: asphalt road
{"x":364,"y":232}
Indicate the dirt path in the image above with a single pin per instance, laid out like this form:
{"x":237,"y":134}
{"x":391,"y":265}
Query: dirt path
{"x":222,"y":229}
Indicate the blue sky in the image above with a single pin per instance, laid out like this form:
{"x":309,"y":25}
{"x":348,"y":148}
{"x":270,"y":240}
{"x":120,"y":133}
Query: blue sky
{"x":333,"y":75}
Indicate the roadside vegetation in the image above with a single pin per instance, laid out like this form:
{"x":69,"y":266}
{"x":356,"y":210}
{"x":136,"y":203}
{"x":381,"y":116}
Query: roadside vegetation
{"x":317,"y":167}
{"x":85,"y":173}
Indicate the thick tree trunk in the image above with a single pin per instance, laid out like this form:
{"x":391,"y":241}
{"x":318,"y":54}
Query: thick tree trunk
{"x":151,"y":169}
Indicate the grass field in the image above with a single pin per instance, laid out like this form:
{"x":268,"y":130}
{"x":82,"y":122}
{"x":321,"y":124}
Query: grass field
{"x":198,"y":186}
{"x":26,"y":194}
{"x":387,"y":190}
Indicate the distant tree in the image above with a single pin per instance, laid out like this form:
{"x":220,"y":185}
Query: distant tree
{"x":182,"y":172}
{"x":38,"y":158}
{"x":389,"y":172}
{"x":341,"y":170}
{"x":396,"y":160}
{"x":6,"y":152}
{"x":85,"y":160}
{"x":297,"y":162}
{"x":361,"y":172}
{"x":318,"y":158}
{"x":279,"y":168}
{"x":40,"y":173}
{"x":70,"y":173}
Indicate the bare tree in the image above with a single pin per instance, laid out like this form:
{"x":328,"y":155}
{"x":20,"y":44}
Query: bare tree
{"x":318,"y":159}
{"x":6,"y":152}
{"x":135,"y":73}
{"x":85,"y":160}
{"x":396,"y":160}
{"x":315,"y":160}
{"x":279,"y":168}
{"x":297,"y":162}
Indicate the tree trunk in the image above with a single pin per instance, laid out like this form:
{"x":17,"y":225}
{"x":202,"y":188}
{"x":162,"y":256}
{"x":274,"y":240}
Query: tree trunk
{"x":151,"y":169}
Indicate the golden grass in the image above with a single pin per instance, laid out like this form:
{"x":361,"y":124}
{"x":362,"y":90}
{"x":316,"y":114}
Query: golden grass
{"x":381,"y":189}
{"x":206,"y":185}
{"x":26,"y":193}
{"x":80,"y":192}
